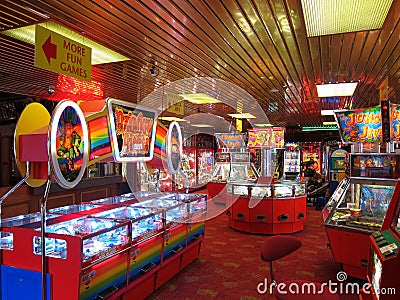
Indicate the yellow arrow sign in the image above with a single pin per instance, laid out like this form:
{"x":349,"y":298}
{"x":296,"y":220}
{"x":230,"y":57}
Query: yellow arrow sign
{"x":59,"y":54}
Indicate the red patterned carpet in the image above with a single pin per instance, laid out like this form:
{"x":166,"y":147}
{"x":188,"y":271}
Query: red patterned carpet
{"x":230,"y":267}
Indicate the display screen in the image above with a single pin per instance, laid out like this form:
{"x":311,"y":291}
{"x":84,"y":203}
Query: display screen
{"x":375,"y":165}
{"x":375,"y":201}
{"x":376,"y":273}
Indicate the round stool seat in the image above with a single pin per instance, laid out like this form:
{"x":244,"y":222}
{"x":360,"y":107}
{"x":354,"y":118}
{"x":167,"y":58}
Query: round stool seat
{"x":278,"y":246}
{"x":303,"y":290}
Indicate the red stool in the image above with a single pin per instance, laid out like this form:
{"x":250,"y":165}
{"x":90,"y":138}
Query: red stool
{"x":279,"y":246}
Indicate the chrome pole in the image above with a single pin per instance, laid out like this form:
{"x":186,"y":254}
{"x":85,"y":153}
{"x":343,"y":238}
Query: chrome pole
{"x":9,"y":192}
{"x":43,"y":231}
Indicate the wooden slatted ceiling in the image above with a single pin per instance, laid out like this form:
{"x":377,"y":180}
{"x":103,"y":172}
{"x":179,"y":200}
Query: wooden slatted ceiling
{"x":260,"y":45}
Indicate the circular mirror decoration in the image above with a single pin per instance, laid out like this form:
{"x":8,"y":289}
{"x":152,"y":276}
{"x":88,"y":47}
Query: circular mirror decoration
{"x":174,"y":147}
{"x":69,"y":143}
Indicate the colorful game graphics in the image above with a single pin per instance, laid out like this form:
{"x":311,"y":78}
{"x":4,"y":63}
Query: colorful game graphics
{"x":133,"y":130}
{"x":69,"y":143}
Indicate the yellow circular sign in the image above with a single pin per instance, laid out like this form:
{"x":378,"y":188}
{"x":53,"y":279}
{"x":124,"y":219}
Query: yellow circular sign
{"x":34,"y":119}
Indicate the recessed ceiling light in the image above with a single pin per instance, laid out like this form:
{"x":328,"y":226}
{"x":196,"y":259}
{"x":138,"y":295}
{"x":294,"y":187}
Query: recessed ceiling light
{"x":199,"y":98}
{"x":242,"y":116}
{"x":263,"y":125}
{"x":327,"y":123}
{"x":336,"y":89}
{"x":202,"y":125}
{"x":100,"y":54}
{"x":323,"y":17}
{"x":172,"y":119}
{"x":327,"y":112}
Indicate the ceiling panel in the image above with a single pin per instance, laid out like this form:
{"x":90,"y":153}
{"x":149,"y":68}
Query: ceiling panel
{"x":259,"y":45}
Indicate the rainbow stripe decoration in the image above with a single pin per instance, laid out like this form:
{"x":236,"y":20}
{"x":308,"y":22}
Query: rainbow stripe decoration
{"x":100,"y":143}
{"x":159,"y":157}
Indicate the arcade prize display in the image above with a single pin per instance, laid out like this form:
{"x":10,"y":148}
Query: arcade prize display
{"x":227,"y":143}
{"x":107,"y":248}
{"x":205,"y":165}
{"x":360,"y":206}
{"x":384,"y":258}
{"x":291,"y":161}
{"x":267,"y":208}
{"x":263,"y":205}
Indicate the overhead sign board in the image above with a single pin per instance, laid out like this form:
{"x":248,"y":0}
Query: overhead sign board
{"x":62,"y":55}
{"x":260,"y":138}
{"x":360,"y":125}
{"x":133,"y":130}
{"x":231,"y":140}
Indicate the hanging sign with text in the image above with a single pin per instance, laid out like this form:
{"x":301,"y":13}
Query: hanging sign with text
{"x":133,"y":130}
{"x":260,"y":138}
{"x":62,"y":55}
{"x":360,"y":125}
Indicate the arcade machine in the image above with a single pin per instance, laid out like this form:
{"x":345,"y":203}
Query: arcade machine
{"x":205,"y":165}
{"x":263,"y":144}
{"x":265,"y":206}
{"x":189,"y":166}
{"x":312,"y":152}
{"x":242,"y":169}
{"x":227,"y":143}
{"x":337,"y":167}
{"x":220,"y":176}
{"x":76,"y":255}
{"x":291,"y":162}
{"x":361,"y":207}
{"x":360,"y":210}
{"x":384,"y":258}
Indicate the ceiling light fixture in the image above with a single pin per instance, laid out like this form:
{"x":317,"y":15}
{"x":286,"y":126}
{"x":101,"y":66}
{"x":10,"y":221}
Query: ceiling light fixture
{"x":324,"y":17}
{"x":327,"y":112}
{"x":263,"y":125}
{"x":100,"y":54}
{"x":202,"y":125}
{"x":171,"y":119}
{"x":336,"y":89}
{"x":329,"y":123}
{"x":199,"y":98}
{"x":242,"y":116}
{"x":45,"y":16}
{"x":317,"y":128}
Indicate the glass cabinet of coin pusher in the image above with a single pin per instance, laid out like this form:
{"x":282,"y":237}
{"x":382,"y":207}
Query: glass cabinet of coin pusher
{"x":197,"y":209}
{"x":125,"y":200}
{"x":86,"y":257}
{"x":7,"y":235}
{"x":147,"y":236}
{"x":175,"y":217}
{"x":359,"y":211}
{"x":82,"y":209}
{"x":267,"y":208}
